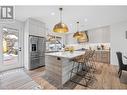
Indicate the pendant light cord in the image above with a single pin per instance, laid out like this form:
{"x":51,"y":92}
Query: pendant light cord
{"x":61,"y":14}
{"x":77,"y":26}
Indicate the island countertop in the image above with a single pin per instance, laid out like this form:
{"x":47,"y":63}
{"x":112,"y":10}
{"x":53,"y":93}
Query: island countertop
{"x":66,"y":54}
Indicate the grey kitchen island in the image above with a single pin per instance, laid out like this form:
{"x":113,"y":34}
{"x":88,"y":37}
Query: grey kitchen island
{"x":58,"y":66}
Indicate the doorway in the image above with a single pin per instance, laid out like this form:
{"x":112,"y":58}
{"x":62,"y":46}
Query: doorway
{"x":10,"y":46}
{"x":11,"y":53}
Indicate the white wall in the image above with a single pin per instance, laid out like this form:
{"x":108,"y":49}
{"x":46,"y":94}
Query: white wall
{"x":70,"y":39}
{"x":118,"y":40}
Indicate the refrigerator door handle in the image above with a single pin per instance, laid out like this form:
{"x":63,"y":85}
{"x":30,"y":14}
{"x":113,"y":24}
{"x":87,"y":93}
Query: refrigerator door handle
{"x":20,"y":49}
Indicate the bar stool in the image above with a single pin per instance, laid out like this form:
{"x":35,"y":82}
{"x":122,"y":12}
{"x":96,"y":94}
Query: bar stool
{"x":80,"y":69}
{"x":91,"y":61}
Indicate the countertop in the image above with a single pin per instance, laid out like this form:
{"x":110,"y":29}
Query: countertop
{"x":104,"y":50}
{"x":66,"y":54}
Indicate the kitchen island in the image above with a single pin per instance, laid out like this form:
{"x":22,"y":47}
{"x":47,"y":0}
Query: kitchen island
{"x":59,"y":65}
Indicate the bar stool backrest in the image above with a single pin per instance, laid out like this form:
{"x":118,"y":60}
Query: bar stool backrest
{"x":85,"y":57}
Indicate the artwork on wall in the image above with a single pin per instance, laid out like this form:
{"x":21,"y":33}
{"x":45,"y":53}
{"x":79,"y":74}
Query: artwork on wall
{"x":83,"y":39}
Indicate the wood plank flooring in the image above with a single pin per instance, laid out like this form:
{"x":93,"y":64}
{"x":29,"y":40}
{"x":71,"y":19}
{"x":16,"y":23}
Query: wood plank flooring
{"x":106,"y":77}
{"x":37,"y":74}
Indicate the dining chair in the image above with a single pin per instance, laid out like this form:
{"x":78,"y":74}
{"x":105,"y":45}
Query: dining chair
{"x":121,"y":65}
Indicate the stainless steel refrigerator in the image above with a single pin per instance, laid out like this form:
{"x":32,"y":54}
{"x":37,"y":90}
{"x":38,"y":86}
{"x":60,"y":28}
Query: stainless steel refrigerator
{"x":37,"y":47}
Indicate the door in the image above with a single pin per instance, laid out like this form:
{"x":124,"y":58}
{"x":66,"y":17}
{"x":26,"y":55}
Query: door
{"x":11,"y":48}
{"x":41,"y":46}
{"x":41,"y":50}
{"x":33,"y":46}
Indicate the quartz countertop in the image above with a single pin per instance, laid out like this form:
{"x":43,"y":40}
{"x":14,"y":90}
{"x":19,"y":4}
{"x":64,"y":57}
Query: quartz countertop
{"x":66,"y":54}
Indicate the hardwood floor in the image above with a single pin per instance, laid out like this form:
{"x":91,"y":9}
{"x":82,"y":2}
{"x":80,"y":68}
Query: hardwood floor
{"x":106,"y":77}
{"x":37,"y":74}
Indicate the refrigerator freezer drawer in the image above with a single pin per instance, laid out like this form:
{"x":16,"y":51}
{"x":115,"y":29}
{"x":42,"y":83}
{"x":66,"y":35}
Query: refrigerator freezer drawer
{"x":41,"y":61}
{"x":34,"y":63}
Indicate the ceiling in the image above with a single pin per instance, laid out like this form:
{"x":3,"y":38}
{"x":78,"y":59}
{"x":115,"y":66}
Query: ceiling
{"x":88,"y":16}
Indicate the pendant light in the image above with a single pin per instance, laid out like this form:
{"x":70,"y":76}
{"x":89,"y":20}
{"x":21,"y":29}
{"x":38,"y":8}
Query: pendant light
{"x":83,"y":39}
{"x":60,"y":27}
{"x":78,"y":34}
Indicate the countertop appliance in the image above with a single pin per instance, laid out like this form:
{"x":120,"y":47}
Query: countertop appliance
{"x":37,"y":47}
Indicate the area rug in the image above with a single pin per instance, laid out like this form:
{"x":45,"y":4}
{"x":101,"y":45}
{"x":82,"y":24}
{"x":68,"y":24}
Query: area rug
{"x":17,"y":79}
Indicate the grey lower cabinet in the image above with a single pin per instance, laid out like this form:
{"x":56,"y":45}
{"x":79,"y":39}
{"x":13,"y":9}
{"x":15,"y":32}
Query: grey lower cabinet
{"x":102,"y":56}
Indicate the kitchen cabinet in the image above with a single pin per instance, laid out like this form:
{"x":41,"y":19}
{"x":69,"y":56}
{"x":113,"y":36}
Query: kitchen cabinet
{"x":58,"y":66}
{"x":102,"y":56}
{"x":36,"y":28}
{"x":32,"y":27}
{"x":99,"y":35}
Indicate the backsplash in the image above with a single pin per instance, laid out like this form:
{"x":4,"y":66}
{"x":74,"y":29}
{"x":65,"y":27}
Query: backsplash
{"x":93,"y":46}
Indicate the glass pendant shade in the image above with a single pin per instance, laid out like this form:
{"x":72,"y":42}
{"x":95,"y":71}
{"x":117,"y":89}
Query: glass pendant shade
{"x":60,"y":27}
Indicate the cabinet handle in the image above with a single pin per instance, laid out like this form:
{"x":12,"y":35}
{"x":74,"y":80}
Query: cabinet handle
{"x":58,"y":58}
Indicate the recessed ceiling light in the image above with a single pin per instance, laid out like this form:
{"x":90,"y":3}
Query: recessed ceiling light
{"x":86,"y":20}
{"x":52,"y":13}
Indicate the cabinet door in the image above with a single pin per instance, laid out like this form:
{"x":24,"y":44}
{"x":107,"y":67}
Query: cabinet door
{"x":41,"y":31}
{"x":36,"y":28}
{"x":33,"y":29}
{"x":98,"y":56}
{"x":105,"y":57}
{"x":102,"y":56}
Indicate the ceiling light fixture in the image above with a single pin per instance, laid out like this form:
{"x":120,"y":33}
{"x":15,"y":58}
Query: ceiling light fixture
{"x":78,"y":34}
{"x":60,"y":27}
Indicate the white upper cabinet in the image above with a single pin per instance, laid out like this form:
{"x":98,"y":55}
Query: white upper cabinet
{"x":99,"y":35}
{"x":36,"y":27}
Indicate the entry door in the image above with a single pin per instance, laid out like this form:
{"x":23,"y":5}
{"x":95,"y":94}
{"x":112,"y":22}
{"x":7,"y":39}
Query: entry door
{"x":11,"y":48}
